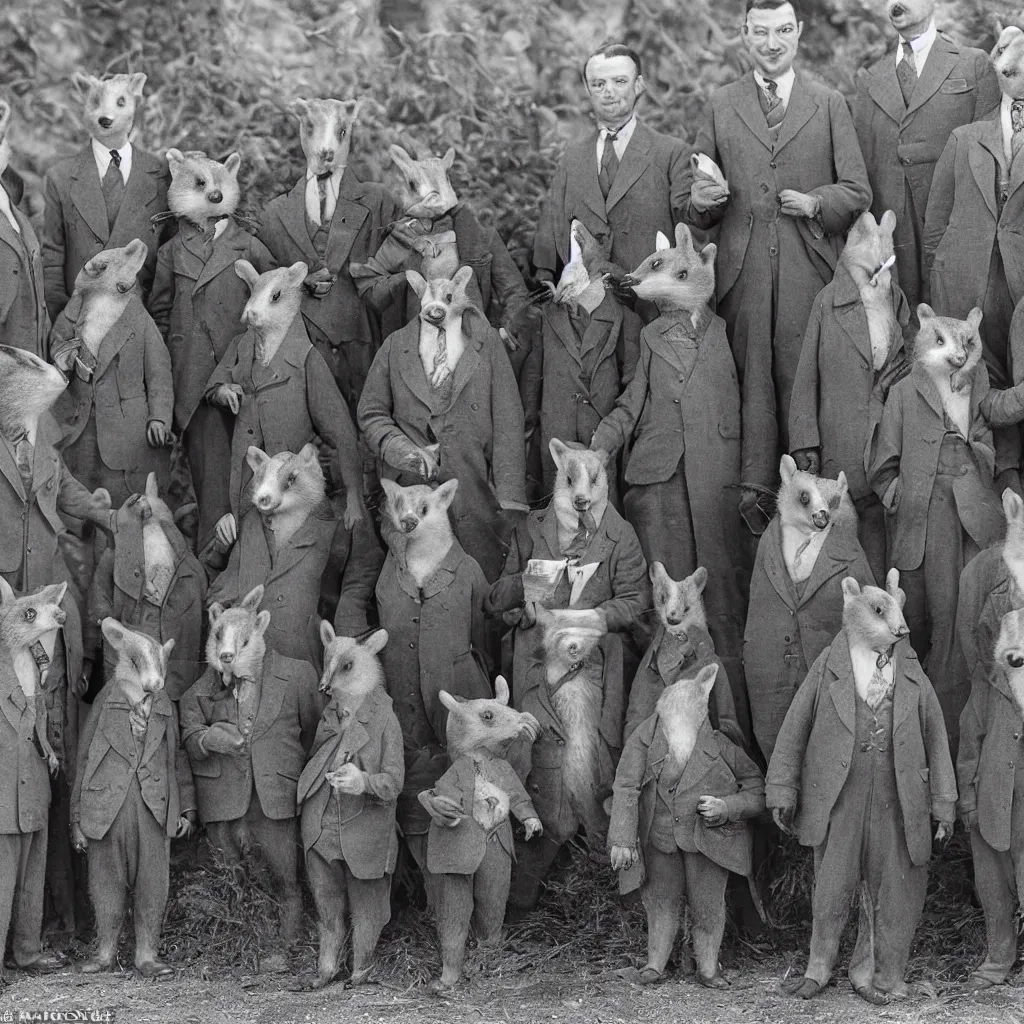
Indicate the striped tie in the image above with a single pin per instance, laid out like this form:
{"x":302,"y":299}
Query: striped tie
{"x":906,"y":72}
{"x":1017,"y":122}
{"x":772,"y":105}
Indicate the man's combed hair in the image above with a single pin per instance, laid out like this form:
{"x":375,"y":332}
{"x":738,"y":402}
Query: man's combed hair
{"x":614,"y":50}
{"x":770,"y":5}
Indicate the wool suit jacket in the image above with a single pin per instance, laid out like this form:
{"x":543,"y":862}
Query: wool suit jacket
{"x":131,"y":386}
{"x":906,"y":448}
{"x":24,"y":321}
{"x":276,"y":750}
{"x":196,"y":303}
{"x":716,"y":767}
{"x":815,"y":748}
{"x":75,"y":220}
{"x":24,"y":774}
{"x":371,"y":739}
{"x":110,"y":758}
{"x":647,"y":196}
{"x":835,"y":400}
{"x":902,"y":142}
{"x":963,"y":221}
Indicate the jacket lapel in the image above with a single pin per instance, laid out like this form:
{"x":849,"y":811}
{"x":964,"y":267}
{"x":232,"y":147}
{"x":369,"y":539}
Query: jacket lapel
{"x":561,"y":324}
{"x":748,"y":106}
{"x":842,"y":689}
{"x":12,"y":697}
{"x":985,"y":168}
{"x":850,"y":313}
{"x":115,"y":340}
{"x":406,"y":343}
{"x":189,"y":250}
{"x":635,"y":160}
{"x":295,"y":549}
{"x":607,"y":318}
{"x":140,"y":189}
{"x":928,"y":392}
{"x":701,"y":758}
{"x":832,"y":559}
{"x":884,"y":88}
{"x":937,"y":68}
{"x":9,"y":468}
{"x":158,"y":715}
{"x":906,"y":669}
{"x":272,"y":689}
{"x":664,"y":348}
{"x":231,"y":246}
{"x":582,"y":171}
{"x":802,"y":107}
{"x":349,"y":215}
{"x":775,"y":564}
{"x":87,"y":194}
{"x":293,"y":216}
{"x":117,"y":727}
{"x":10,"y":237}
{"x":468,"y":361}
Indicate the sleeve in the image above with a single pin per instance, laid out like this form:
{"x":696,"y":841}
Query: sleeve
{"x":183,"y":773}
{"x":386,"y":784}
{"x":724,"y":709}
{"x":360,"y":566}
{"x":631,"y":592}
{"x":861,"y":107}
{"x":333,"y":422}
{"x":311,"y":705}
{"x":62,"y":338}
{"x":261,"y":257}
{"x":615,"y":430}
{"x":193,"y":726}
{"x":520,"y":803}
{"x":989,"y":95}
{"x":52,"y":245}
{"x":974,"y":717}
{"x":161,"y":296}
{"x":1004,"y":408}
{"x":508,"y":448}
{"x":628,"y":349}
{"x":100,"y":604}
{"x":375,"y":413}
{"x":85,"y":739}
{"x":803,"y":407}
{"x":224,"y":371}
{"x":507,"y":285}
{"x":679,"y":180}
{"x":886,"y":448}
{"x":941,"y":776}
{"x":531,"y":381}
{"x":748,"y":802}
{"x":74,"y":500}
{"x":625,"y":817}
{"x":940,"y":206}
{"x":480,"y":633}
{"x":158,"y":377}
{"x":506,"y":592}
{"x":224,"y":587}
{"x":850,"y":195}
{"x":707,"y":144}
{"x":552,"y":233}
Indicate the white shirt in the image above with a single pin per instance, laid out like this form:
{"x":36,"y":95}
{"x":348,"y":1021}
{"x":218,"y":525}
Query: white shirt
{"x":102,"y":157}
{"x":333,"y":183}
{"x":621,"y":140}
{"x":921,"y":46}
{"x":784,"y":85}
{"x":865,"y":661}
{"x":8,"y":212}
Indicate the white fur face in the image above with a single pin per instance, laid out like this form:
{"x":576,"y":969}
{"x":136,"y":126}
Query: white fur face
{"x":800,"y":500}
{"x":286,"y":481}
{"x":1009,"y":654}
{"x":418,"y":509}
{"x":442,"y":302}
{"x":684,"y":704}
{"x":1008,"y":61}
{"x":869,"y":247}
{"x":141,"y":661}
{"x":23,"y":620}
{"x":676,"y":277}
{"x":202,"y":188}
{"x":946,"y":346}
{"x":1013,"y":546}
{"x":350,"y":667}
{"x":679,"y":604}
{"x":426,"y":187}
{"x":109,"y":105}
{"x":274,"y":297}
{"x":325,"y":131}
{"x":235,"y":642}
{"x":114,"y":271}
{"x":482,"y":724}
{"x":144,"y":507}
{"x":581,"y":476}
{"x":28,"y":387}
{"x":873,"y":617}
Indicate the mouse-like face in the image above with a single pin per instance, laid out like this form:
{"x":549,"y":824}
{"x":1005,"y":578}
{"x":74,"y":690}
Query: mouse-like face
{"x":113,"y":270}
{"x":325,"y":131}
{"x":109,"y":105}
{"x":140,"y":659}
{"x":1008,"y":61}
{"x":426,"y":187}
{"x":202,"y":189}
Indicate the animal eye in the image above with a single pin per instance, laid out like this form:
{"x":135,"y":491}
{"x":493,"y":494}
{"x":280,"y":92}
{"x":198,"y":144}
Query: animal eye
{"x":292,"y":477}
{"x":120,"y":101}
{"x":655,"y":264}
{"x":683,"y":275}
{"x":878,"y":609}
{"x":448,"y":297}
{"x":342,"y":131}
{"x":30,"y":614}
{"x":220,"y":634}
{"x":1014,"y":660}
{"x":423,"y":510}
{"x":200,"y":183}
{"x":487,"y":716}
{"x":275,"y":296}
{"x":412,"y":184}
{"x":939,"y":342}
{"x":805,"y":498}
{"x":347,"y":667}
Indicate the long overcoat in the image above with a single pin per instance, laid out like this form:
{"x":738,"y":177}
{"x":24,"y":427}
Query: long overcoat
{"x":24,"y":321}
{"x":24,"y":775}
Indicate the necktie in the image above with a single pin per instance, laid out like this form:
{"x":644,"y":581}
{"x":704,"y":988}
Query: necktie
{"x":23,"y":452}
{"x":1017,"y":121}
{"x":771,"y":103}
{"x":328,"y":200}
{"x":906,"y":72}
{"x":879,"y":688}
{"x":609,"y":162}
{"x":138,"y":717}
{"x":440,"y":370}
{"x":113,"y":187}
{"x":586,"y":528}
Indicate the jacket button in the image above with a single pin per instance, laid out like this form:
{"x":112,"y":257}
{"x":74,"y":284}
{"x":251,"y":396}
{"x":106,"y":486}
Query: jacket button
{"x":773,"y":251}
{"x":412,"y":646}
{"x":772,"y":164}
{"x":280,"y":597}
{"x":561,"y":743}
{"x":474,"y":406}
{"x":764,"y":187}
{"x":416,"y":618}
{"x":905,"y":161}
{"x":675,"y":401}
{"x":787,"y":639}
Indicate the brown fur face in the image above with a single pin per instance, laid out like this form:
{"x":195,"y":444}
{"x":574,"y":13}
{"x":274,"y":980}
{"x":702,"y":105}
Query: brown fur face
{"x":948,"y":348}
{"x":426,"y":188}
{"x":351,"y":669}
{"x":482,"y":724}
{"x":25,"y":619}
{"x":141,"y":661}
{"x":113,"y":271}
{"x":109,"y":105}
{"x":676,"y":277}
{"x":325,"y":131}
{"x":873,"y":617}
{"x":202,"y":189}
{"x":1008,"y":61}
{"x":286,"y":482}
{"x":235,"y":646}
{"x":28,"y":387}
{"x":679,"y":604}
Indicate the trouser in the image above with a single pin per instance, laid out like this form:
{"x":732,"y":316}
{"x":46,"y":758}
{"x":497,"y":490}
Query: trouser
{"x":134,"y":854}
{"x":417,"y":844}
{"x":671,"y":877}
{"x":22,"y":874}
{"x":278,"y":840}
{"x":65,"y":869}
{"x":207,"y":440}
{"x":999,"y":880}
{"x":339,"y":895}
{"x":871,"y":534}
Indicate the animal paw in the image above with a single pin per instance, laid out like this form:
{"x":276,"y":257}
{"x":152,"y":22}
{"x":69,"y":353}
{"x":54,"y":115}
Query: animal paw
{"x":226,"y":531}
{"x":801,"y":987}
{"x":52,"y":762}
{"x":354,"y":510}
{"x":533,"y":827}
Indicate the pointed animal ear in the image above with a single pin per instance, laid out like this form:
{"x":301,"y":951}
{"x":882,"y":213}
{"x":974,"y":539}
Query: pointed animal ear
{"x":262,"y":621}
{"x":5,"y":117}
{"x":462,"y":278}
{"x":215,"y":611}
{"x":256,"y":458}
{"x":296,"y":274}
{"x":445,"y":494}
{"x":708,"y":254}
{"x":974,"y":318}
{"x":400,"y":156}
{"x":233,"y":162}
{"x":656,"y":571}
{"x":417,"y":282}
{"x":575,"y":250}
{"x":136,"y":248}
{"x":684,"y":240}
{"x":448,"y":159}
{"x":6,"y":592}
{"x":844,"y":487}
{"x":888,"y":222}
{"x":391,"y":490}
{"x":114,"y":632}
{"x":699,"y":578}
{"x":1013,"y":506}
{"x":299,"y":107}
{"x":327,"y":635}
{"x":558,"y":451}
{"x":925,"y":312}
{"x":448,"y":701}
{"x":787,"y":468}
{"x":892,"y":587}
{"x":851,"y":588}
{"x":308,"y":453}
{"x":661,"y":242}
{"x":55,"y":592}
{"x":252,"y":600}
{"x":501,"y":691}
{"x":247,"y":272}
{"x":175,"y":158}
{"x":706,"y":677}
{"x":152,"y":490}
{"x":84,"y":83}
{"x":137,"y":82}
{"x":165,"y":651}
{"x":376,"y":641}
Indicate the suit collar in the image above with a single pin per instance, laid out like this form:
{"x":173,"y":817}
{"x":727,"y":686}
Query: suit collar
{"x":703,"y":755}
{"x":635,"y":161}
{"x":941,"y":61}
{"x":836,"y":555}
{"x":802,"y":107}
{"x":231,"y":246}
{"x":581,"y":168}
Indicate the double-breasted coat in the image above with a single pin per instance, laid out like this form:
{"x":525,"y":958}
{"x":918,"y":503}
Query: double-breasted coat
{"x":717,"y":767}
{"x":361,"y":828}
{"x":812,"y":757}
{"x":477,"y":424}
{"x":24,"y":774}
{"x":771,"y":266}
{"x":75,"y":225}
{"x":292,"y":576}
{"x":24,"y":321}
{"x":363,"y":212}
{"x":902,"y":142}
{"x":275,"y":751}
{"x":110,"y":759}
{"x":787,"y":628}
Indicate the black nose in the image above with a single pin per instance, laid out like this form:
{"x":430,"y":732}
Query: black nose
{"x":106,"y":122}
{"x":409,"y":523}
{"x":629,"y":281}
{"x":957,"y":361}
{"x":227,"y":657}
{"x":820,"y":519}
{"x":673,"y":620}
{"x":215,"y":196}
{"x":901,"y":632}
{"x":263,"y":500}
{"x":434,"y":314}
{"x":581,"y":504}
{"x":60,"y":617}
{"x":327,"y":155}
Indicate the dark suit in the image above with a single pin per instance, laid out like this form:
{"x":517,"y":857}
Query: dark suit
{"x":771,"y":266}
{"x":24,"y":322}
{"x":75,"y":225}
{"x":902,"y":142}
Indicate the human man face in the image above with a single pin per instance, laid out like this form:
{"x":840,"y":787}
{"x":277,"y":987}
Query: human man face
{"x":614,"y":88}
{"x":910,"y":18}
{"x":772,"y":36}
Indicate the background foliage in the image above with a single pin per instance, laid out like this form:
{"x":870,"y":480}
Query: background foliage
{"x":496,"y":79}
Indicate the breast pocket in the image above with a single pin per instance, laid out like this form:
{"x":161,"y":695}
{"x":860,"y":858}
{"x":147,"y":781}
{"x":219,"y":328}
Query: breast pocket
{"x":955,"y":86}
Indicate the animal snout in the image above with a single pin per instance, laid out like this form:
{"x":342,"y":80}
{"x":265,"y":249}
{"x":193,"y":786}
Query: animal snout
{"x":629,"y":281}
{"x":673,"y":618}
{"x":105,"y":122}
{"x":215,"y":196}
{"x":958,"y":360}
{"x":124,"y":287}
{"x":60,"y":616}
{"x":820,"y":519}
{"x":901,"y":631}
{"x":226,"y":657}
{"x":264,"y":501}
{"x":327,"y":155}
{"x":580,"y":503}
{"x":435,"y":314}
{"x":897,"y":9}
{"x":408,"y":523}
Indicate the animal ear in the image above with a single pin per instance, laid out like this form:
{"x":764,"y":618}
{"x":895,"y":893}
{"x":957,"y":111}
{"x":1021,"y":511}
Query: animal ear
{"x":558,"y":451}
{"x":448,"y":159}
{"x":892,"y":587}
{"x":114,"y":632}
{"x":376,"y":641}
{"x":252,"y":600}
{"x":787,"y":468}
{"x":247,"y":272}
{"x":175,"y":158}
{"x":684,"y":240}
{"x":6,"y":592}
{"x":844,"y":487}
{"x":501,"y":691}
{"x":708,"y":254}
{"x":327,"y":635}
{"x":974,"y":318}
{"x":656,"y":571}
{"x":84,"y":83}
{"x":256,"y":458}
{"x":166,"y":649}
{"x":448,"y":701}
{"x":400,"y":156}
{"x":215,"y":611}
{"x":417,"y":282}
{"x":661,"y":242}
{"x":575,"y":249}
{"x":233,"y":162}
{"x":298,"y":107}
{"x":462,"y":278}
{"x":851,"y":588}
{"x":888,"y":222}
{"x":699,"y":578}
{"x":445,"y":494}
{"x":95,"y":266}
{"x":55,"y":592}
{"x":391,"y":489}
{"x":152,"y":490}
{"x":136,"y":248}
{"x":297,"y":273}
{"x":707,"y":675}
{"x":925,"y":312}
{"x":137,"y":82}
{"x":262,"y":621}
{"x":1013,"y":506}
{"x":5,"y":117}
{"x":308,"y":453}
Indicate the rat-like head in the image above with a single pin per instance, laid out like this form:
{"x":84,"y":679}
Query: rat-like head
{"x":570,"y":637}
{"x":442,"y":302}
{"x":325,"y":131}
{"x":1013,"y":545}
{"x":202,"y":189}
{"x":286,"y":482}
{"x":807,"y":501}
{"x":685,"y":702}
{"x":139,"y":509}
{"x":676,"y":277}
{"x":589,"y":260}
{"x":274,"y":297}
{"x":235,"y":646}
{"x":23,"y":620}
{"x":484,"y":724}
{"x":679,"y":603}
{"x":426,"y":188}
{"x":114,"y":271}
{"x":351,"y":669}
{"x":419,"y":509}
{"x":141,"y":661}
{"x":873,"y":617}
{"x":869,"y":254}
{"x":581,"y":478}
{"x":1008,"y":61}
{"x":948,"y":348}
{"x":109,"y":105}
{"x":28,"y":387}
{"x":1009,"y":654}
{"x":5,"y":141}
